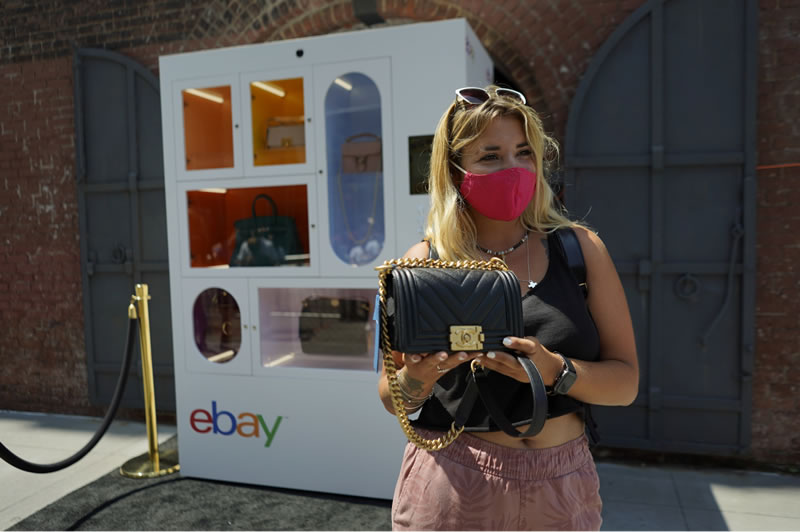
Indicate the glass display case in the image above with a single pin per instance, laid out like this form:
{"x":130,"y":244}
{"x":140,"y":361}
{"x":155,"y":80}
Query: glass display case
{"x":277,"y":109}
{"x":248,"y":227}
{"x":207,"y":127}
{"x":355,"y":168}
{"x":217,"y":321}
{"x":316,"y":327}
{"x":217,"y":325}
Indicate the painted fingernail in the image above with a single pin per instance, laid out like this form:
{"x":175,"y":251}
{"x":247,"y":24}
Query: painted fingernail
{"x":490,"y":354}
{"x":506,"y":341}
{"x":442,"y":356}
{"x":462,"y":356}
{"x":415,"y":358}
{"x":480,"y":354}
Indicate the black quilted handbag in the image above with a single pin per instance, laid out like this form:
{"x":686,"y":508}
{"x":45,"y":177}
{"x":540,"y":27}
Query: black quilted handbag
{"x":430,"y":305}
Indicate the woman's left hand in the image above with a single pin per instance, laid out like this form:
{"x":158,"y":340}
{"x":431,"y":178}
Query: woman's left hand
{"x":548,"y":363}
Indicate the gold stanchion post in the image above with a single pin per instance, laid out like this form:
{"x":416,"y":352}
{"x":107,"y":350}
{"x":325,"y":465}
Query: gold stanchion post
{"x":156,"y":463}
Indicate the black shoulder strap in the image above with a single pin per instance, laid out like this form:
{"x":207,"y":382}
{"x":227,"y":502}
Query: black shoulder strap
{"x":574,"y":255}
{"x":571,"y":248}
{"x":432,"y":253}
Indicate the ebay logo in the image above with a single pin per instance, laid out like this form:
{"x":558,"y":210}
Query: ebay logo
{"x":246,"y":424}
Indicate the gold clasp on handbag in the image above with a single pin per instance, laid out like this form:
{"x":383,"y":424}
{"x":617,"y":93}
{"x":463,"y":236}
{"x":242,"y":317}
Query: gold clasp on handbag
{"x":466,"y":338}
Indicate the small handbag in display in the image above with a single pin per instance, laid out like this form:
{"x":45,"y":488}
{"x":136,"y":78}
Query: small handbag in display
{"x":360,"y":156}
{"x":334,"y":326}
{"x":286,"y":133}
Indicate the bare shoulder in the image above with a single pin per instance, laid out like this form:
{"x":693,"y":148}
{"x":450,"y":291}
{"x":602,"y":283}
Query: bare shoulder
{"x":591,"y":244}
{"x":599,"y":265}
{"x":419,"y":250}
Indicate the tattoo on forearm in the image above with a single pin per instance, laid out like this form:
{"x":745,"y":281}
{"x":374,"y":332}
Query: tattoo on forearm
{"x":415,"y":386}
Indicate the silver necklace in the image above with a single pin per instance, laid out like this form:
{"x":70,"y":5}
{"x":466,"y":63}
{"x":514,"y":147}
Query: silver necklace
{"x":531,"y":282}
{"x":504,"y":252}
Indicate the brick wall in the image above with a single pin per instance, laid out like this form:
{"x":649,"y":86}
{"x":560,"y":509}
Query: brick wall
{"x":543,"y":45}
{"x":776,"y":381}
{"x":42,"y":340}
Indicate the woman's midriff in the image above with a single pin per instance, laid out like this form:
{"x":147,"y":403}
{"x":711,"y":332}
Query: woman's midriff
{"x":556,"y":431}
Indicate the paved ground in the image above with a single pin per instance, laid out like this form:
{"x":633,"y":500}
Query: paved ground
{"x":92,"y":495}
{"x":48,"y":438}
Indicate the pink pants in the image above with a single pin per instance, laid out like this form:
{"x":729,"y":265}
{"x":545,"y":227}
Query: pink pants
{"x":477,"y":485}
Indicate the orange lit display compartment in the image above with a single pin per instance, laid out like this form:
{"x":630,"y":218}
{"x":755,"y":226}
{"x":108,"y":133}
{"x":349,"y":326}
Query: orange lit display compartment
{"x":248,"y":227}
{"x":278,"y":115}
{"x":208,"y":128}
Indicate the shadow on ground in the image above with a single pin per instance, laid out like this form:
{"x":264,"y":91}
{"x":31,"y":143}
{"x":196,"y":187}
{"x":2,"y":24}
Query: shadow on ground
{"x":114,"y":502}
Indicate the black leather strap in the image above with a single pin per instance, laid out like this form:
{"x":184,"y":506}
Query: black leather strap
{"x":539,"y":396}
{"x":577,"y":265}
{"x":432,"y":253}
{"x":467,"y":402}
{"x":574,"y":255}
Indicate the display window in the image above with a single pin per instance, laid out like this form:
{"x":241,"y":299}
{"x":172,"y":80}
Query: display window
{"x":217,"y":324}
{"x":278,"y":119}
{"x":354,"y":151}
{"x":317,"y":327}
{"x":248,"y":227}
{"x":208,"y":127}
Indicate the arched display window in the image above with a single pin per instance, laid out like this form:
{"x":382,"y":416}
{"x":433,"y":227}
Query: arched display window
{"x":355,"y":168}
{"x":217,"y":325}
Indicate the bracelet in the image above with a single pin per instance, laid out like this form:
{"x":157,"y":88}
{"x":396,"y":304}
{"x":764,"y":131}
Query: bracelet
{"x":413,"y":403}
{"x":413,"y":408}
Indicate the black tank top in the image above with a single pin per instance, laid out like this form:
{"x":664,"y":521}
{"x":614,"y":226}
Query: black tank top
{"x":555,"y":312}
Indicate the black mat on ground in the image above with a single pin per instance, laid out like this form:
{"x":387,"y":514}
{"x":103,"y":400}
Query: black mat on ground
{"x":114,"y":502}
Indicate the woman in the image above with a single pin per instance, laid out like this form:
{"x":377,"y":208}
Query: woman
{"x":489,"y":199}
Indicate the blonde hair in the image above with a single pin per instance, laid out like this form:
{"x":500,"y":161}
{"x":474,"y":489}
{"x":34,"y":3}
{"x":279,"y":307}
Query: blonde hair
{"x":450,"y":227}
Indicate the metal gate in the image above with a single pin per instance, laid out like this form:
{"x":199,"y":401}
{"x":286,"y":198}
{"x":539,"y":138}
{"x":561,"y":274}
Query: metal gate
{"x":123,"y":235}
{"x":660,"y":160}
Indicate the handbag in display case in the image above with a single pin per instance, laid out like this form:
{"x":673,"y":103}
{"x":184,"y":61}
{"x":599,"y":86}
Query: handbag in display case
{"x":264,"y":240}
{"x":335,"y":326}
{"x":359,"y":156}
{"x":285,"y":132}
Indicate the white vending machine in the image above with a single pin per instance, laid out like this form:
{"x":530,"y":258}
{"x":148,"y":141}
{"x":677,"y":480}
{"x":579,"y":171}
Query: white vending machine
{"x":292,"y":170}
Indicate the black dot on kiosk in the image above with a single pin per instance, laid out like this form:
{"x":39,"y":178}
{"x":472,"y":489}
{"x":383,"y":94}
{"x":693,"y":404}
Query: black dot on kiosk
{"x":299,"y":52}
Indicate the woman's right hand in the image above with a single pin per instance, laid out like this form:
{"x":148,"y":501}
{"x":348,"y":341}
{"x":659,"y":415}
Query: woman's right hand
{"x":419,"y":372}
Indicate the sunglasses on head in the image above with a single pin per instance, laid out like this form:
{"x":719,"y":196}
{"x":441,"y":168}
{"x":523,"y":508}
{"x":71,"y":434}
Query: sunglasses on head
{"x":476,"y":95}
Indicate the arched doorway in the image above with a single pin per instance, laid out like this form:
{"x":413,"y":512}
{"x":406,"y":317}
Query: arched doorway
{"x":123,"y":237}
{"x":660,"y":160}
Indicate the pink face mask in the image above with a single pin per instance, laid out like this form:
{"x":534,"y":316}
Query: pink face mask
{"x":501,"y":195}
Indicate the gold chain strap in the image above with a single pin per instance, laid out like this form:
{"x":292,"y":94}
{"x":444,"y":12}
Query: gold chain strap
{"x":386,"y":343}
